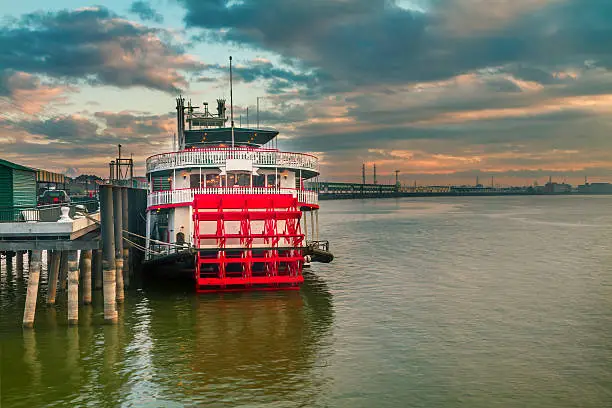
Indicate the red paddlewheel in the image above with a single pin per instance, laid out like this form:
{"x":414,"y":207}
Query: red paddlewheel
{"x":247,"y":242}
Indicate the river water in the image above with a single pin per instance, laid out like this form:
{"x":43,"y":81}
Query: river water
{"x":459,"y":302}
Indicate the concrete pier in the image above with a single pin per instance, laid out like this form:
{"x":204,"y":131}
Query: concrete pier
{"x":63,"y":271}
{"x":73,"y":287}
{"x":108,"y":253}
{"x":32,"y":293}
{"x":96,"y":265}
{"x":53,"y":274}
{"x":118,"y":230}
{"x":19,"y":262}
{"x":85,"y":266}
{"x":126,"y":247}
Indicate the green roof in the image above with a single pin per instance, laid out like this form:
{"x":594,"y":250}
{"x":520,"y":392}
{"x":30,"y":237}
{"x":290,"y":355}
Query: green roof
{"x":14,"y":166}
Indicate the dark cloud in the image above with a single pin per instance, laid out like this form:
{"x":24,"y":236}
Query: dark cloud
{"x":144,"y":10}
{"x":137,"y":125}
{"x":376,"y":42}
{"x":95,"y":46}
{"x":10,"y":81}
{"x":67,"y":128}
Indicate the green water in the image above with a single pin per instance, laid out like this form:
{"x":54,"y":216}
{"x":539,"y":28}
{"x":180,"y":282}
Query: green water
{"x":464,"y":302}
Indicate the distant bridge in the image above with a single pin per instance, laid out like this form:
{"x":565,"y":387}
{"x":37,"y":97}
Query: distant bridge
{"x":335,"y":191}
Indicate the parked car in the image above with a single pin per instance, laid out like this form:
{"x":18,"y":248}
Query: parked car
{"x":54,"y":197}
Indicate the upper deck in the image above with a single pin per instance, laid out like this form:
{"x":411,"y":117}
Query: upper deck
{"x":234,"y":159}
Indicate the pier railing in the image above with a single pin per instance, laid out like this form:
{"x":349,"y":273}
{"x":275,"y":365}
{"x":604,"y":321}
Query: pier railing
{"x":184,"y":196}
{"x":219,"y":156}
{"x":45,"y":213}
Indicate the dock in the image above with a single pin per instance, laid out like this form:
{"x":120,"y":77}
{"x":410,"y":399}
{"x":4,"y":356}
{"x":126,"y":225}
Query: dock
{"x":89,"y":245}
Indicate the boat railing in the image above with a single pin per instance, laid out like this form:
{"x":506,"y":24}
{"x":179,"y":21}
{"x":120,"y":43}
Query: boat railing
{"x":219,"y":156}
{"x":184,"y":196}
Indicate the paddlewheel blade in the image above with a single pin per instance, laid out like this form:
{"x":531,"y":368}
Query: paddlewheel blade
{"x":247,"y":242}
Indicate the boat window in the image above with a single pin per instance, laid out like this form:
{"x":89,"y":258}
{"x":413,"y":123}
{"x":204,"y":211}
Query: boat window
{"x":271,"y":180}
{"x":213,"y":180}
{"x":194,"y":181}
{"x":244,"y":180}
{"x":161,"y":183}
{"x":259,"y":181}
{"x":240,"y":179}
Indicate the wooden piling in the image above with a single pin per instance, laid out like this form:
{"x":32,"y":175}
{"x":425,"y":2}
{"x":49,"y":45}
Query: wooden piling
{"x":118,"y":229}
{"x":63,"y":271}
{"x":73,"y":287}
{"x":86,"y":276}
{"x":126,"y":247}
{"x":32,"y":293}
{"x":96,"y":265}
{"x":108,"y":253}
{"x":53,"y":274}
{"x":8,"y":260}
{"x":20,"y":264}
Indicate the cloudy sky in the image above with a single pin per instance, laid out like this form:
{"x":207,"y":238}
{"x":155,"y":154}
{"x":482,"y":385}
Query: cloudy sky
{"x":442,"y":90}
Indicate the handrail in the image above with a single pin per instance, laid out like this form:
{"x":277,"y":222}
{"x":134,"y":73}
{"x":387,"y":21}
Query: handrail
{"x":44,"y":213}
{"x":219,"y":156}
{"x":184,"y":196}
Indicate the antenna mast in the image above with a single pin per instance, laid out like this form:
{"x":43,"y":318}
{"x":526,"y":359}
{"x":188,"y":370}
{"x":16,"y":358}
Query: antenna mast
{"x":231,"y":101}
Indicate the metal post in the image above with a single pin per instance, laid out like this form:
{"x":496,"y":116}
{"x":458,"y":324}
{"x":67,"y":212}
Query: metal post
{"x":305,"y":222}
{"x":53,"y":274}
{"x":312,"y":229}
{"x":126,"y":246}
{"x":317,"y":222}
{"x":96,"y":266}
{"x":73,"y":288}
{"x":86,"y":274}
{"x":32,"y":293}
{"x":118,"y":231}
{"x":108,"y":253}
{"x":231,"y":103}
{"x":258,"y":111}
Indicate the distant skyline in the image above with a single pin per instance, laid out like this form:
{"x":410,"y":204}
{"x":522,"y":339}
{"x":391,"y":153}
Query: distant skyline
{"x":442,"y":90}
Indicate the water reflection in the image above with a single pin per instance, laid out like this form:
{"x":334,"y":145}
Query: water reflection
{"x":241,"y":347}
{"x":171,"y":347}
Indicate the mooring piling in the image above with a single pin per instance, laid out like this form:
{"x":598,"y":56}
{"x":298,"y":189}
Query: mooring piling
{"x":85,"y":266}
{"x":118,"y":230}
{"x":53,"y":274}
{"x":63,"y":271}
{"x":20,"y":264}
{"x":73,"y":287}
{"x":96,"y":265}
{"x":108,"y":253}
{"x":32,"y":293}
{"x":126,"y":247}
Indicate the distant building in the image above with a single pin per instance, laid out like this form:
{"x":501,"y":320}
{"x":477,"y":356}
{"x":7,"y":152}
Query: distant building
{"x":595,"y":188}
{"x":557,"y":188}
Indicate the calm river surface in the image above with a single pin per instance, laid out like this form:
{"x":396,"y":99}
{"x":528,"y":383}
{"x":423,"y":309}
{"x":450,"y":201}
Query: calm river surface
{"x":459,"y":302}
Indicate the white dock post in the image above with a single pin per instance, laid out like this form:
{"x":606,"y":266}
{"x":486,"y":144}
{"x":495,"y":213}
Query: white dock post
{"x":73,"y":288}
{"x":32,"y":293}
{"x":86,"y":275}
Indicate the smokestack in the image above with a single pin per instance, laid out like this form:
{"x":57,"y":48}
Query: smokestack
{"x":363,"y":175}
{"x":375,"y":182}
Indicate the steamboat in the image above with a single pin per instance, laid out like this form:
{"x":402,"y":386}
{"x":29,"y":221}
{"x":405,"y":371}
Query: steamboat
{"x":231,"y":206}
